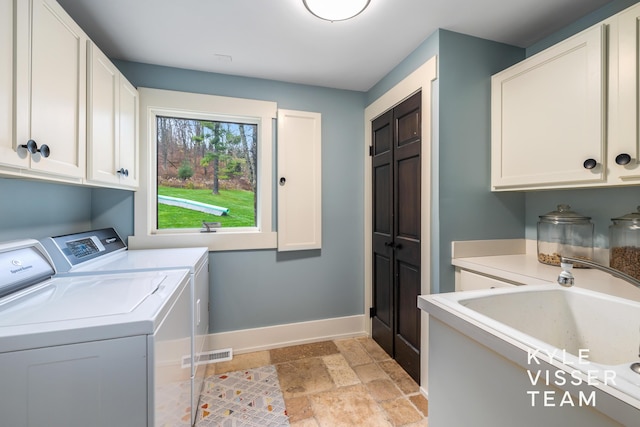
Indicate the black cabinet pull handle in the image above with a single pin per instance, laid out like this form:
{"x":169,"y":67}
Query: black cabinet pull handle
{"x":623,"y":159}
{"x":123,"y":171}
{"x":590,"y":163}
{"x":32,"y":147}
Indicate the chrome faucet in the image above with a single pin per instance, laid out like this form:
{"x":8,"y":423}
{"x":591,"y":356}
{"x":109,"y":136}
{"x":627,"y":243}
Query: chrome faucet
{"x":566,"y":278}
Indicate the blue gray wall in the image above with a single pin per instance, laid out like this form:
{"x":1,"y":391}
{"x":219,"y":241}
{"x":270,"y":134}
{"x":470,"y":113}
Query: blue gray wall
{"x":34,"y":209}
{"x":261,"y":288}
{"x":468,"y":209}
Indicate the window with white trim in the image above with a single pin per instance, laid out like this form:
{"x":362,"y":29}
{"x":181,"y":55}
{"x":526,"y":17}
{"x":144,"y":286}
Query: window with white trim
{"x":211,"y":129}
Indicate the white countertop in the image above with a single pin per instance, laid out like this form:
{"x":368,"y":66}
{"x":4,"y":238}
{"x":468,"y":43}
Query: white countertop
{"x":515,"y":261}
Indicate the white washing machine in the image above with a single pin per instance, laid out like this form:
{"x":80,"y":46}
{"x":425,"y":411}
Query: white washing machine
{"x":89,"y":350}
{"x":104,"y":252}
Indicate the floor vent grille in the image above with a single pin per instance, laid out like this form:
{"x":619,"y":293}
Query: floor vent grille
{"x":206,"y":357}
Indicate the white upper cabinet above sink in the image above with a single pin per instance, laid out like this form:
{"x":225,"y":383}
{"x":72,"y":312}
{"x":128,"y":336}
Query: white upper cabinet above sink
{"x":624,"y":112}
{"x":548,"y":115}
{"x":567,"y":117}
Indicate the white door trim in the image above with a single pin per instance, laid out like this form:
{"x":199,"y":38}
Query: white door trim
{"x":420,"y":79}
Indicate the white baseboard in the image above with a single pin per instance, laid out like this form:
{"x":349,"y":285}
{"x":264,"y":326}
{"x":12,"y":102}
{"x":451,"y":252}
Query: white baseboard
{"x":266,"y":338}
{"x":424,"y":392}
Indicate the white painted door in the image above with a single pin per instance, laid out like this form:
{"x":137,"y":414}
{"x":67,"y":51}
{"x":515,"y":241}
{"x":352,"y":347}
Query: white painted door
{"x":299,"y":180}
{"x":548,"y":116}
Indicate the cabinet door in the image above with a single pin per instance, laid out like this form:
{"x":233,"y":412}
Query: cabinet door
{"x":548,"y":116}
{"x":8,"y":155}
{"x":300,"y":180}
{"x":128,"y":134}
{"x":624,"y":141}
{"x":102,"y":118}
{"x":56,"y":107}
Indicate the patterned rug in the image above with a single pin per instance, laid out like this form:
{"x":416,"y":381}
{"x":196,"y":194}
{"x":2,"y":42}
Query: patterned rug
{"x":249,"y":398}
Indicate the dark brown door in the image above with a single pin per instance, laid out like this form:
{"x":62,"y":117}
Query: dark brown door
{"x":396,"y":147}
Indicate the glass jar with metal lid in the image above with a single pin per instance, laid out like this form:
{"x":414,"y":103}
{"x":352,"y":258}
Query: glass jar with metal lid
{"x":564,"y":232}
{"x":624,"y":244}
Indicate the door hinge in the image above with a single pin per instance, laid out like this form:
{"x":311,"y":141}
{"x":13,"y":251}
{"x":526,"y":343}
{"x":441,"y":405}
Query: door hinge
{"x":372,"y":311}
{"x":371,"y":150}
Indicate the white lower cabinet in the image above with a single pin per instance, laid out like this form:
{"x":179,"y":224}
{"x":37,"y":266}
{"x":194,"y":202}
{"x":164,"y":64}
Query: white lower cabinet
{"x":470,"y":281}
{"x":112,"y":122}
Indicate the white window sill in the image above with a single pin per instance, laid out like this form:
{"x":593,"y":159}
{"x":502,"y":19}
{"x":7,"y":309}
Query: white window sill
{"x":218,"y":241}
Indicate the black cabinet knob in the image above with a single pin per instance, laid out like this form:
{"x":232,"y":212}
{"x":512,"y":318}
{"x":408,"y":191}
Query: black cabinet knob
{"x":44,"y":150}
{"x":32,"y":147}
{"x":123,"y":172}
{"x":590,"y":163}
{"x":623,"y":159}
{"x":283,"y":180}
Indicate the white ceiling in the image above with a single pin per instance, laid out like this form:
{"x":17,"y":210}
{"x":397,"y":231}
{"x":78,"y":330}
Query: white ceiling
{"x":281,"y":40}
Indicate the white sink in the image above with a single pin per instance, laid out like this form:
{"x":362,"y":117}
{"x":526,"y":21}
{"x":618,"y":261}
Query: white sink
{"x":579,"y":328}
{"x":606,"y":329}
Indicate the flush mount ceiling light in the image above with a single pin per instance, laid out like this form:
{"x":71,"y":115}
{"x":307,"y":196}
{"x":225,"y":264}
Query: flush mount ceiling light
{"x":336,"y":10}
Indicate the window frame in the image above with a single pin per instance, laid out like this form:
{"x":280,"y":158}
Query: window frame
{"x":159,"y":102}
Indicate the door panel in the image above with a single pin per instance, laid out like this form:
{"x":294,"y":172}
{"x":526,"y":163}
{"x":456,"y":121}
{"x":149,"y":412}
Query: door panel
{"x":396,"y":167}
{"x":382,"y":200}
{"x":408,"y":198}
{"x":382,"y":326}
{"x":407,"y":338}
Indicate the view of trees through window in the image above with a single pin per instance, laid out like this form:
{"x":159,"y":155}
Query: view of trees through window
{"x":207,"y":171}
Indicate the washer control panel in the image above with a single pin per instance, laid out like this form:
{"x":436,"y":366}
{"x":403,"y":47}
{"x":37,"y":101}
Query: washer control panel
{"x":70,"y":250}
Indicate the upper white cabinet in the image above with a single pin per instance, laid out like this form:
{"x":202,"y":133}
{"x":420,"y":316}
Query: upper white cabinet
{"x":548,"y":116}
{"x":61,"y":99}
{"x":568,"y":116}
{"x":112,"y":124}
{"x":50,"y":88}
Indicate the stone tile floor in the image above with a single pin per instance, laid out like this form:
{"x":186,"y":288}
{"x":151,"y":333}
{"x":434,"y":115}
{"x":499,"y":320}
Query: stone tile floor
{"x":350,"y":382}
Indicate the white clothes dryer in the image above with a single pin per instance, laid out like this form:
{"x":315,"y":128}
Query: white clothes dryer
{"x":103,"y":252}
{"x":89,"y":350}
